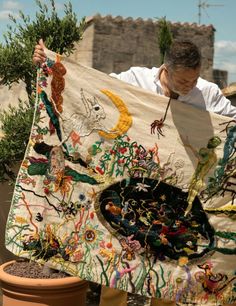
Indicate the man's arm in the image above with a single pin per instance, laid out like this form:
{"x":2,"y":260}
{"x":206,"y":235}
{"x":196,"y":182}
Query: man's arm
{"x":126,"y":76}
{"x":217,"y":102}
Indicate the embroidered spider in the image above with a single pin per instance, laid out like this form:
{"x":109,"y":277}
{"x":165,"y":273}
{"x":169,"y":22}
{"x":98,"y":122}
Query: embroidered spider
{"x":159,"y":124}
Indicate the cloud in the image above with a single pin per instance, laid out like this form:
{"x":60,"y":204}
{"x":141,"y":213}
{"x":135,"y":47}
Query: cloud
{"x":11,"y":5}
{"x":4,"y":14}
{"x":60,"y":6}
{"x":225,"y":57}
{"x":9,"y":8}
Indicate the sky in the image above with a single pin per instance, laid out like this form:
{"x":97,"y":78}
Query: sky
{"x":219,"y":13}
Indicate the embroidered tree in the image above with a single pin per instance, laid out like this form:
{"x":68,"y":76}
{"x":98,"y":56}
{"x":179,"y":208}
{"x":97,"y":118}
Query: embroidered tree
{"x":60,"y":35}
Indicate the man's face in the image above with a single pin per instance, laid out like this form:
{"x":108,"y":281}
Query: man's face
{"x":182,"y":80}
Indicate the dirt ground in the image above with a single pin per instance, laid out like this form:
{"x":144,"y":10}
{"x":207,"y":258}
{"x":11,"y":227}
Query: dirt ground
{"x":133,"y":299}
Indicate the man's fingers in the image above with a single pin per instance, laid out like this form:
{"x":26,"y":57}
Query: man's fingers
{"x":41,"y":43}
{"x":39,"y":55}
{"x":39,"y":51}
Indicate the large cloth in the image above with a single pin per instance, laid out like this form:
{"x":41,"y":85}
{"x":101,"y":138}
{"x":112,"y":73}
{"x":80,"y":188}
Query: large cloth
{"x":127,"y":189}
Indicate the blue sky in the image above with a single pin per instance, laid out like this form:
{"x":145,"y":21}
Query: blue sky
{"x":219,"y":13}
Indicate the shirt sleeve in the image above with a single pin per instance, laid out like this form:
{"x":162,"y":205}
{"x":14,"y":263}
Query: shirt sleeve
{"x":126,"y":76}
{"x":222,"y":105}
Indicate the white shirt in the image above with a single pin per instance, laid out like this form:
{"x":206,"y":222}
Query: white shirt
{"x":205,"y":95}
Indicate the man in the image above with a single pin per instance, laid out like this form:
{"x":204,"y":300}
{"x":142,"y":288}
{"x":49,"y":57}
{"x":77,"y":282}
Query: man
{"x":178,"y":78}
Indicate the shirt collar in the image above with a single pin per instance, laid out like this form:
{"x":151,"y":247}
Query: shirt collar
{"x":157,"y":76}
{"x":157,"y":81}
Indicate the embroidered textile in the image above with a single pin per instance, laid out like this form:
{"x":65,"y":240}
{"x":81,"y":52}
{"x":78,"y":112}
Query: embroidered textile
{"x":126,"y":188}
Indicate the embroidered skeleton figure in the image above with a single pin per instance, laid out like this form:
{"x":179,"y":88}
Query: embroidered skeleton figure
{"x":206,"y":160}
{"x":82,"y":124}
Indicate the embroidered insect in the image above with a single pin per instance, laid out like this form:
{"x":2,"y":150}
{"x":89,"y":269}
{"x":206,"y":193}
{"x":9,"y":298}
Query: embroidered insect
{"x":158,"y":125}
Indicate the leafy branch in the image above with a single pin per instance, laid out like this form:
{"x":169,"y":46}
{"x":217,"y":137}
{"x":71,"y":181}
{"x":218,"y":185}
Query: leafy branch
{"x":60,"y":35}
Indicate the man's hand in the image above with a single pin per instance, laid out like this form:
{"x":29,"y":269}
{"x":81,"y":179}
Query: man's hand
{"x":39,"y":56}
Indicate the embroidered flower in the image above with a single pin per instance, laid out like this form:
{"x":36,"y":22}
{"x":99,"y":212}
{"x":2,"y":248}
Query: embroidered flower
{"x":20,"y":220}
{"x":92,"y":236}
{"x":183,"y":261}
{"x":75,"y":138}
{"x":77,"y":255}
{"x":109,"y":245}
{"x":142,"y":187}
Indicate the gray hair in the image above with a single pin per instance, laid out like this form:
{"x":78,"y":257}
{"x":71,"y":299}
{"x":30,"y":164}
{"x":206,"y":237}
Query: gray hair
{"x":182,"y":54}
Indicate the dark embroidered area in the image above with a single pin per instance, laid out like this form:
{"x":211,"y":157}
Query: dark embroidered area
{"x":153,"y":212}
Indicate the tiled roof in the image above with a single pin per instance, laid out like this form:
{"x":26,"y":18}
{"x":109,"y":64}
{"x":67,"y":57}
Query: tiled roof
{"x":149,"y":20}
{"x":229,"y":90}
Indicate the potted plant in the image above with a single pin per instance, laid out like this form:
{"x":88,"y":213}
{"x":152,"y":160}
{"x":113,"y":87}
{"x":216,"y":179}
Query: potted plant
{"x":58,"y":289}
{"x":60,"y":35}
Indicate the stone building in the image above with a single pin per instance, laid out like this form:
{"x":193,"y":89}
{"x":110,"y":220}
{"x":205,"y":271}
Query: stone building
{"x":230,"y":93}
{"x":113,"y":44}
{"x":220,"y":77}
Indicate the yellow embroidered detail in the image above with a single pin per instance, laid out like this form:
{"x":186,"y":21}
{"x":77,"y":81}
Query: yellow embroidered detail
{"x":58,"y":58}
{"x":225,"y":208}
{"x":125,"y":119}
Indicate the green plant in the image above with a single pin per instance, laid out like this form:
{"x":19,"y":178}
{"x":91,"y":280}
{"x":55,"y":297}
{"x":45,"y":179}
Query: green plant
{"x":16,"y":124}
{"x":59,"y":35}
{"x":164,"y":37}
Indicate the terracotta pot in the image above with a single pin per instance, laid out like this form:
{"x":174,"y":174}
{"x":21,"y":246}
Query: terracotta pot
{"x":20,"y":291}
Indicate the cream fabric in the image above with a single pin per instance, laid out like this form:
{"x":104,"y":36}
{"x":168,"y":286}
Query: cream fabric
{"x":103,"y":196}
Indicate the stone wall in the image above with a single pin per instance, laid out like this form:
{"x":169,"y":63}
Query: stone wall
{"x":230,"y":92}
{"x":220,"y":77}
{"x":115,"y":44}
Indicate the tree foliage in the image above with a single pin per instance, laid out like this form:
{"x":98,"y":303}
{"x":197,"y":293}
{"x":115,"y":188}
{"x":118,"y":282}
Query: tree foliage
{"x":16,"y":124}
{"x":164,"y":37}
{"x":60,"y":35}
